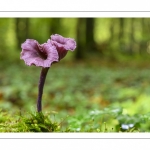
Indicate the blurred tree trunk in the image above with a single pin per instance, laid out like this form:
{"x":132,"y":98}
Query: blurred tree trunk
{"x":145,"y":35}
{"x":22,"y":30}
{"x":90,"y":43}
{"x":81,"y":42}
{"x":55,"y":26}
{"x":121,"y":33}
{"x":111,"y":30}
{"x":131,"y":45}
{"x":4,"y":27}
{"x":113,"y":37}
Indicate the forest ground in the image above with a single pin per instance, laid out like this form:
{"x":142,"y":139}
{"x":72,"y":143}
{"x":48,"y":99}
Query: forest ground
{"x":80,"y":96}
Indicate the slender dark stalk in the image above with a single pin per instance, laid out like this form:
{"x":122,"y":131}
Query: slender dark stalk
{"x":40,"y":88}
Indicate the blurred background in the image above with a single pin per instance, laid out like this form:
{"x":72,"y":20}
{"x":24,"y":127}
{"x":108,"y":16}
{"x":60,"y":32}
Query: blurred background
{"x":110,"y":66}
{"x":109,"y":38}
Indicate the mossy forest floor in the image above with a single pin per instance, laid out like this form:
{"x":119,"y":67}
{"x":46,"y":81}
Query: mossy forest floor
{"x":99,"y":96}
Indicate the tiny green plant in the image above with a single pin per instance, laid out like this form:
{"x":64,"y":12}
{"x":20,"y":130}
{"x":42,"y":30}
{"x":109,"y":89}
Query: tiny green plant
{"x":44,"y":55}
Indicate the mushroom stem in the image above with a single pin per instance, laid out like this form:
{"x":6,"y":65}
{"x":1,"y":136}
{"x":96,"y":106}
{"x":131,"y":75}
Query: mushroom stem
{"x":40,"y":88}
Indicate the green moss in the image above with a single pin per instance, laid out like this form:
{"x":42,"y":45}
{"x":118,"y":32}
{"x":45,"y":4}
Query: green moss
{"x":37,"y":122}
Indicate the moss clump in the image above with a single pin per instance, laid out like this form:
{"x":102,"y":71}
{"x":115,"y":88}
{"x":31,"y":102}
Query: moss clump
{"x":37,"y":122}
{"x":33,"y":122}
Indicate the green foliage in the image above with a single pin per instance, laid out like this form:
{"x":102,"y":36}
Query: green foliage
{"x":95,"y":120}
{"x":87,"y":98}
{"x":106,"y":120}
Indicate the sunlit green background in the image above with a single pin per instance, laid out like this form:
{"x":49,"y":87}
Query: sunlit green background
{"x":110,"y":67}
